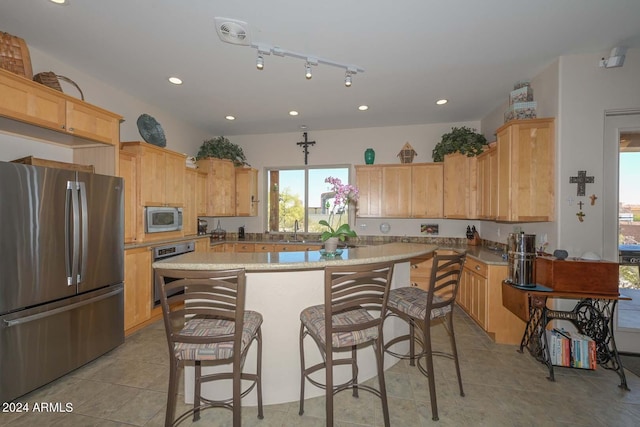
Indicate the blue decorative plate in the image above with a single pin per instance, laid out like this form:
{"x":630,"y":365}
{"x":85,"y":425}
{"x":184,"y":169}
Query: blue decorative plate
{"x":326,"y":254}
{"x":151,"y":131}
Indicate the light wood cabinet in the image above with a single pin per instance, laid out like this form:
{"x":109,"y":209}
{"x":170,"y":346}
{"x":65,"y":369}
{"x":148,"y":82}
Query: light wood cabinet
{"x":221,"y":186}
{"x":400,"y":191}
{"x":396,"y":191}
{"x":31,"y":109}
{"x":525,"y":153}
{"x":264,"y":247}
{"x":203,"y":245}
{"x":160,"y":174}
{"x":427,"y":190}
{"x":189,"y":217}
{"x":480,"y":295}
{"x":138,"y":280}
{"x":128,"y":172}
{"x":460,"y":186}
{"x":244,"y":247}
{"x":246,"y":192}
{"x":369,"y":183}
{"x":201,"y":194}
{"x":488,"y":184}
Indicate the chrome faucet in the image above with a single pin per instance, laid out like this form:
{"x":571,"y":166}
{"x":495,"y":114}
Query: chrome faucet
{"x":296,"y":227}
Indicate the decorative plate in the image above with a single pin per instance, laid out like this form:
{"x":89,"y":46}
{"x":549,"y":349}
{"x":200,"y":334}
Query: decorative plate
{"x":385,"y":227}
{"x":151,"y":131}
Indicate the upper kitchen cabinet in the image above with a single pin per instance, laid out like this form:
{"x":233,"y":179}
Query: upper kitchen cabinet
{"x":400,"y":191}
{"x":460,"y":186}
{"x":427,"y":190}
{"x":195,"y":187}
{"x":160,"y":174}
{"x":34,"y":110}
{"x":369,"y":183}
{"x":488,"y":184}
{"x":129,"y":173}
{"x":526,"y":171}
{"x":221,"y":186}
{"x":246,"y":192}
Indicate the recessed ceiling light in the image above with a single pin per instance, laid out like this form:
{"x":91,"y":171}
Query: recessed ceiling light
{"x":303,"y":127}
{"x":230,"y":117}
{"x":442,"y":101}
{"x":175,"y":80}
{"x":293,"y":113}
{"x":363,"y":107}
{"x":58,"y":1}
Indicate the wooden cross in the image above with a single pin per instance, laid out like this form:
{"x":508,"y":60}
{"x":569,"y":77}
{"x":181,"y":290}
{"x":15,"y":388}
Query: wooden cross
{"x":306,"y":145}
{"x":580,"y":216}
{"x":582,"y":179}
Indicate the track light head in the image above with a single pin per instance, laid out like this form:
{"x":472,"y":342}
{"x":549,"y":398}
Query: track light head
{"x":307,"y":71}
{"x":260,"y":62}
{"x":347,"y":79}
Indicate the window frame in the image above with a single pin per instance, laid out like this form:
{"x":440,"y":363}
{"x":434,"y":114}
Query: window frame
{"x":266,"y":190}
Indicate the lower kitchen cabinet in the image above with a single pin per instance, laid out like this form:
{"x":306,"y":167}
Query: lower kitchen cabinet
{"x":480,"y":295}
{"x":202,"y":245}
{"x":138,"y":279}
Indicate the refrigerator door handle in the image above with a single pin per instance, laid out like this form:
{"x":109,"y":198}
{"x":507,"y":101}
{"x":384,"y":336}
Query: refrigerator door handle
{"x":33,"y":317}
{"x":84,"y":218}
{"x":72,"y":238}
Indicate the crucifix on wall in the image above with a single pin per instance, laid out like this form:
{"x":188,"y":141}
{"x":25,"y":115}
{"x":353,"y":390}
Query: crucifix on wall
{"x":306,"y":145}
{"x":582,"y":179}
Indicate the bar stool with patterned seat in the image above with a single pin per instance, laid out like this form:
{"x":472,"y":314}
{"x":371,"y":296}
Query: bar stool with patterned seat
{"x":419,"y":307}
{"x":355,"y":299}
{"x":207,"y":325}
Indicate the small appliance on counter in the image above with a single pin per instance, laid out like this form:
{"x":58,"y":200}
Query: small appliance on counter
{"x":473,"y":237}
{"x":202,"y":226}
{"x":241,"y":233}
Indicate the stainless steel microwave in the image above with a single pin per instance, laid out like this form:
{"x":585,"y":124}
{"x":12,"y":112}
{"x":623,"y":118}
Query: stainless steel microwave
{"x":159,"y":219}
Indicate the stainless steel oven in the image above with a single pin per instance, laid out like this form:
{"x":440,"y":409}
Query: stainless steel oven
{"x":164,"y":252}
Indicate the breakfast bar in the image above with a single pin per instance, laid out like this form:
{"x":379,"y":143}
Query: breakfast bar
{"x":280,"y":285}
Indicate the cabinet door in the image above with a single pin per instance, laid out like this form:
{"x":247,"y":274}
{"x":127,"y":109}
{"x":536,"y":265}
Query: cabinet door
{"x":369,"y":183}
{"x":128,"y":172}
{"x":201,"y":194}
{"x":487,"y":184}
{"x":152,"y":177}
{"x":460,"y":186}
{"x":137,"y":286}
{"x":526,"y":171}
{"x":202,"y":245}
{"x":174,"y":170}
{"x":246,"y":192}
{"x":189,"y":217}
{"x":396,"y":191}
{"x":221,"y":186}
{"x":260,"y":247}
{"x":244,"y":247}
{"x":420,"y":273}
{"x":427,"y":190}
{"x":89,"y":122}
{"x":479,"y":299}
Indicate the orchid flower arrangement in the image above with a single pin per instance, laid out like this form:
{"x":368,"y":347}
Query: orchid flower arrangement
{"x":345,"y":194}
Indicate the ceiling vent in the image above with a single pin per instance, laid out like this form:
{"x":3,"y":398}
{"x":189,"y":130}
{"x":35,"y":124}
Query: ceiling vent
{"x":233,"y":31}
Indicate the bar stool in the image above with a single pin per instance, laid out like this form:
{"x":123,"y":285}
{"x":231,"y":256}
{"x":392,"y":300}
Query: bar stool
{"x":419,"y":308}
{"x":355,"y":300}
{"x":206,"y":325}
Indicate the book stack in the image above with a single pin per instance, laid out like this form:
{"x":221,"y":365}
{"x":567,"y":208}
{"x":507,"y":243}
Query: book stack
{"x":571,"y":349}
{"x":521,"y":103}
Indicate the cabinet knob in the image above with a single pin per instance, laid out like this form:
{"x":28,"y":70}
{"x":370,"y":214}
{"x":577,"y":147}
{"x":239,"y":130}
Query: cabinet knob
{"x":71,"y":129}
{"x":62,"y":127}
{"x":478,"y":267}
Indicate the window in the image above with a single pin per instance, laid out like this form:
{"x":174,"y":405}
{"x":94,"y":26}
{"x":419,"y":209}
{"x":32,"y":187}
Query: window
{"x":301,"y":194}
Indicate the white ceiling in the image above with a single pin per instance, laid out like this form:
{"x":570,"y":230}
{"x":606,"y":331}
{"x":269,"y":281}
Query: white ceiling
{"x":413,"y":52}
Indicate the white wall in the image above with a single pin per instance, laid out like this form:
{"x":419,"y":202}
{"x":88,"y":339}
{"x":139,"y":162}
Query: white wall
{"x":347,"y":146}
{"x":181,"y":137}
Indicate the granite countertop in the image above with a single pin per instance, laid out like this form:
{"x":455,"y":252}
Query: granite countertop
{"x":295,"y":260}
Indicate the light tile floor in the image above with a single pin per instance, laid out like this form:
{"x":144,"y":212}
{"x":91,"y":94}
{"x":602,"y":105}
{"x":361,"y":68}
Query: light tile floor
{"x":503,"y":388}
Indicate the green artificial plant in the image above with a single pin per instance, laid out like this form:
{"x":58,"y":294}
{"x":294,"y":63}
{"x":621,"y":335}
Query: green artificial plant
{"x":460,"y":140}
{"x":221,"y":148}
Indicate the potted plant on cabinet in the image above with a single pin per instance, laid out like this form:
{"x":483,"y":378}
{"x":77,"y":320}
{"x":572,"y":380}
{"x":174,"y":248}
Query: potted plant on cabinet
{"x":221,"y":148}
{"x":460,"y":140}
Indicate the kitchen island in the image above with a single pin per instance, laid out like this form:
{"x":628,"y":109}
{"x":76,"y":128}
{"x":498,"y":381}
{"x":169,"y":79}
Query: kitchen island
{"x":280,"y":285}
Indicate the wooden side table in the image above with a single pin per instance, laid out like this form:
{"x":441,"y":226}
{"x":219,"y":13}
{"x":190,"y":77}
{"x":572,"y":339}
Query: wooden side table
{"x":592,"y":315}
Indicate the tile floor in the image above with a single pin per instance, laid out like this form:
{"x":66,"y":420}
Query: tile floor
{"x":503,"y":388}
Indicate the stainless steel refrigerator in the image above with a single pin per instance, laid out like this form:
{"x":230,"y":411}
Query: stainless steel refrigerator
{"x":61,"y":273}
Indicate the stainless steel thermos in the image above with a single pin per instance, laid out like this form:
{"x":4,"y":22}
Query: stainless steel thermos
{"x":521,"y":259}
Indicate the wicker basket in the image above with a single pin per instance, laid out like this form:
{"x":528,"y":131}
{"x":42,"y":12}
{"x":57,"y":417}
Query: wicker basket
{"x":14,"y":55}
{"x":52,"y":80}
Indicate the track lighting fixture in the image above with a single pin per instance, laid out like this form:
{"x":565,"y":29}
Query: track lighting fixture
{"x":307,"y":71}
{"x":347,"y":79}
{"x":260,"y":62}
